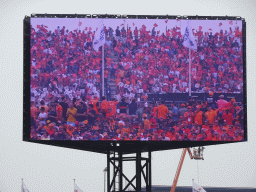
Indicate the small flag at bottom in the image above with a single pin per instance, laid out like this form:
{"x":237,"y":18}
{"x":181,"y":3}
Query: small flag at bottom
{"x":24,"y":187}
{"x":197,"y":188}
{"x":76,"y":188}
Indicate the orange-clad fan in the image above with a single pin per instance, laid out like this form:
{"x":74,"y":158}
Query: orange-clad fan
{"x":112,"y":108}
{"x":210,"y":115}
{"x":198,"y":118}
{"x":162,"y":110}
{"x":189,"y":116}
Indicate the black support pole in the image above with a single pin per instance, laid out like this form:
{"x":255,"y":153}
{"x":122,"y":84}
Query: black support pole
{"x":114,"y":188}
{"x":120,"y":157}
{"x":149,"y":169}
{"x":108,"y":171}
{"x":147,"y":174}
{"x":138,"y":171}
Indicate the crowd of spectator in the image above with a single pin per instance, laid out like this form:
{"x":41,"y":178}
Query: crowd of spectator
{"x":153,"y":63}
{"x":112,"y":120}
{"x":66,"y":85}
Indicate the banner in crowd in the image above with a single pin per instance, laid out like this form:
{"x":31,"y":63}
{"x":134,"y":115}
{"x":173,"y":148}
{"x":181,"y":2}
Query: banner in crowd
{"x":189,"y":40}
{"x":99,"y":38}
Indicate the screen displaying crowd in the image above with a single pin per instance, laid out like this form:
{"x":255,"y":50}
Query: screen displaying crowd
{"x":67,"y":101}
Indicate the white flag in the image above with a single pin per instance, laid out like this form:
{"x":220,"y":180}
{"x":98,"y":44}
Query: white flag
{"x":76,"y":188}
{"x":197,"y":188}
{"x":189,"y":40}
{"x":99,"y":38}
{"x":24,"y":187}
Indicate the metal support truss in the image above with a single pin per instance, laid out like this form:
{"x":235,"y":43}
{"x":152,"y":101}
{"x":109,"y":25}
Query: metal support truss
{"x":115,"y":161}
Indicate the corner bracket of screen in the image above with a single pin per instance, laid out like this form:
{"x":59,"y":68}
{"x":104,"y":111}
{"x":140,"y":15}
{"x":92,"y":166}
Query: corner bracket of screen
{"x":57,"y":59}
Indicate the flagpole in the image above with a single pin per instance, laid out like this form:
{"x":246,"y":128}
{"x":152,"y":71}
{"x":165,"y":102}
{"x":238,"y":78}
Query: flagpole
{"x":103,"y":70}
{"x":22,"y":185}
{"x":180,"y":26}
{"x":79,"y":24}
{"x":189,"y":73}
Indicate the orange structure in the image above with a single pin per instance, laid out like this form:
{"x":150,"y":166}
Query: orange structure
{"x":197,"y":154}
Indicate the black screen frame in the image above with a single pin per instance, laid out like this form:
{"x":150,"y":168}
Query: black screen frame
{"x":125,"y":146}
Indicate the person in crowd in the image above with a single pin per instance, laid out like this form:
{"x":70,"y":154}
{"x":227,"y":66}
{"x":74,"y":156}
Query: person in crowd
{"x":92,"y":116}
{"x":71,"y":115}
{"x":64,"y":106}
{"x":162,"y":110}
{"x":81,"y":113}
{"x":175,"y":114}
{"x":133,"y":107}
{"x":222,"y":103}
{"x":123,"y":106}
{"x":42,"y":116}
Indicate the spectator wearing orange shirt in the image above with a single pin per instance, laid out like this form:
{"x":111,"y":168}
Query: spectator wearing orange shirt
{"x":71,"y":115}
{"x":112,"y":108}
{"x":210,"y":115}
{"x":59,"y":110}
{"x":162,"y":110}
{"x":146,"y":122}
{"x":198,"y":116}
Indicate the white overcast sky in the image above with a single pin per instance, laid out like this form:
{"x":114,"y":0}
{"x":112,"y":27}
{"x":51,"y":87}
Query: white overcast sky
{"x":48,"y":168}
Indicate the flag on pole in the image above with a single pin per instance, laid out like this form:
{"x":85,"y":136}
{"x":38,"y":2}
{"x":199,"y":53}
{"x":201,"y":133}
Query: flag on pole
{"x":99,"y":38}
{"x":76,"y":188}
{"x":197,"y":188}
{"x":24,"y":187}
{"x":189,"y":40}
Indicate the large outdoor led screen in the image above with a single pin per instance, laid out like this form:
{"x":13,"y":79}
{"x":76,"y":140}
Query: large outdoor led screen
{"x":154,"y":79}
